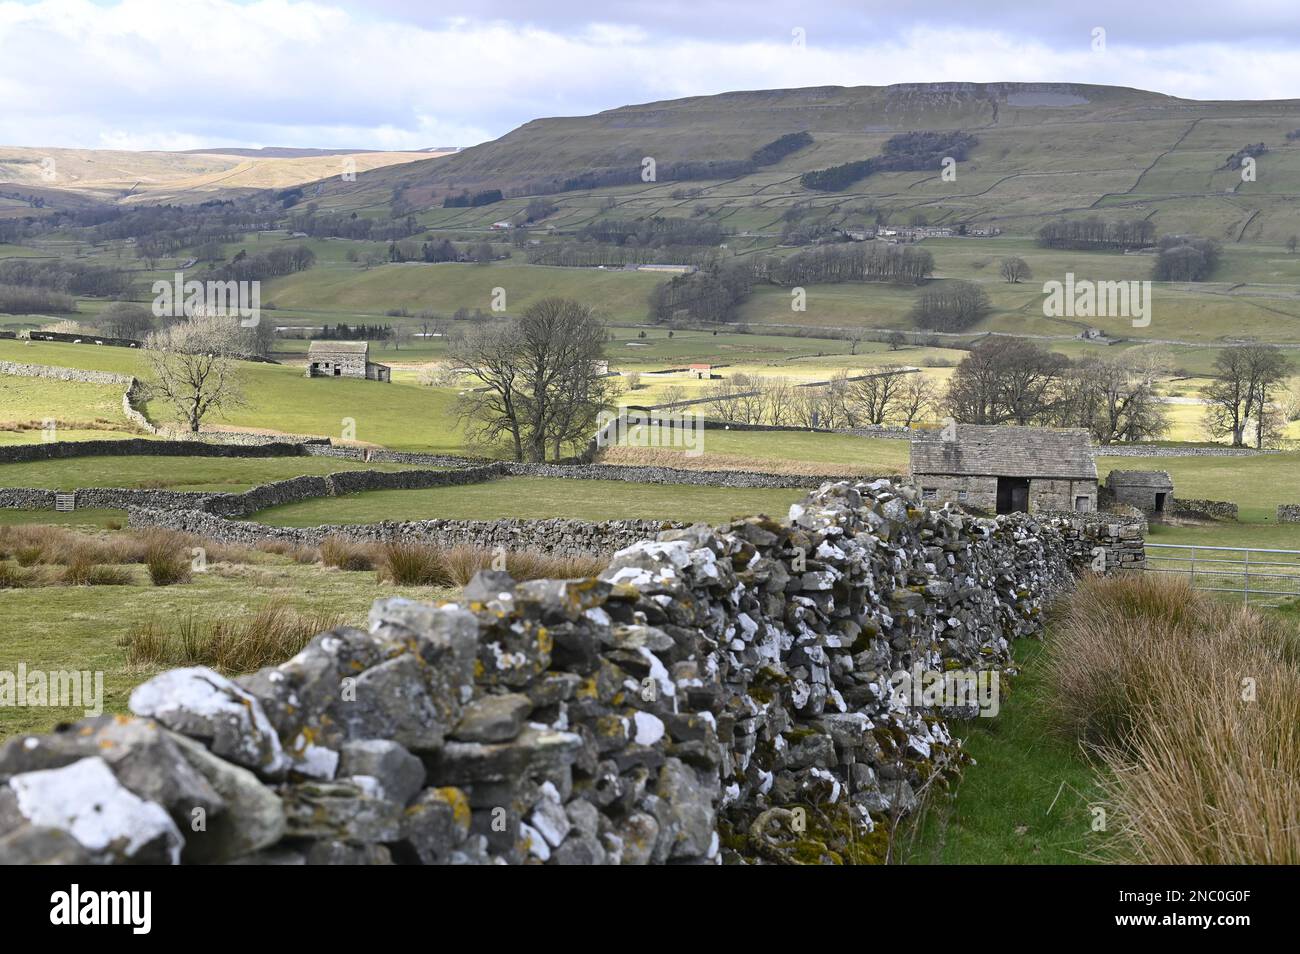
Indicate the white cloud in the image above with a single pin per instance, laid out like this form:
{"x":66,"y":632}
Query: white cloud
{"x":186,"y":73}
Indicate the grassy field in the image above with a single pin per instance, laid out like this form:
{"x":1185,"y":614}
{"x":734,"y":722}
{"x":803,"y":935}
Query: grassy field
{"x":1256,"y":484}
{"x":79,"y":627}
{"x":401,"y":415}
{"x":225,"y":474}
{"x":1027,"y":798}
{"x":536,"y":498}
{"x":792,"y":452}
{"x":88,"y":519}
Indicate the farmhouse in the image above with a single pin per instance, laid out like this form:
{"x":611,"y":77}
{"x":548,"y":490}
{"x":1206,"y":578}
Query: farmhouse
{"x":702,"y":371}
{"x":344,"y":359}
{"x":1149,"y":490}
{"x":1005,"y":469}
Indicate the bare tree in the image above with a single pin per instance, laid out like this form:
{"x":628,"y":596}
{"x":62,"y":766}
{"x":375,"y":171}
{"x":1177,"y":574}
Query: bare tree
{"x":1116,"y":399}
{"x":541,"y":387}
{"x":873,"y":399}
{"x":1246,"y":380}
{"x":192,"y":370}
{"x":1015,"y":270}
{"x":918,"y":399}
{"x":778,"y":398}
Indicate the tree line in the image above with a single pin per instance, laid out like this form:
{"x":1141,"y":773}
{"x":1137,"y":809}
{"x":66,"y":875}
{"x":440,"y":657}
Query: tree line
{"x":1095,"y":232}
{"x":765,"y":155}
{"x":906,"y":152}
{"x":66,"y":276}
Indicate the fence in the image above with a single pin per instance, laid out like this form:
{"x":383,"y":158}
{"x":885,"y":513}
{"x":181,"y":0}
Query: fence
{"x":1265,"y":576}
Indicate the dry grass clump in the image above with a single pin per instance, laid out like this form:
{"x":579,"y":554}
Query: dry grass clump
{"x":346,"y":554}
{"x":83,"y":571}
{"x":1192,"y":708}
{"x":413,"y":564}
{"x":421,"y":564}
{"x":272,"y":634}
{"x":14,"y":576}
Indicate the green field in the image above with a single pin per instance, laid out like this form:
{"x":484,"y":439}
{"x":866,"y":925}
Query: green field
{"x":212,"y":474}
{"x":79,"y":627}
{"x":401,"y":415}
{"x":538,"y":498}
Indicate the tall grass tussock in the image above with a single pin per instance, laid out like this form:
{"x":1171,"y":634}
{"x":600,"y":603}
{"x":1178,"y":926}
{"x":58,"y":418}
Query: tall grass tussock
{"x":1191,"y":708}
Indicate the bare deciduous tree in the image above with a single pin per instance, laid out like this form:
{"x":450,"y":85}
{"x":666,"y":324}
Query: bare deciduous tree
{"x":541,"y":387}
{"x":1015,"y":270}
{"x":1246,"y":381}
{"x":192,"y":369}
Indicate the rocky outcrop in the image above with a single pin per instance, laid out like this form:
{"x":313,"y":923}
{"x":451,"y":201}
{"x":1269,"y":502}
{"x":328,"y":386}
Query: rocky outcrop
{"x":714,"y":696}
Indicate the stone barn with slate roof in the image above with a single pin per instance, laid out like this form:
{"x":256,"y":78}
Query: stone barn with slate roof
{"x":344,"y":359}
{"x":1149,"y":490}
{"x":1004,"y":469}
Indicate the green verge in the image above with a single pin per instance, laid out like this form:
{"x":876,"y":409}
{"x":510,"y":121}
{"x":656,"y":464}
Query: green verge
{"x":1027,"y":798}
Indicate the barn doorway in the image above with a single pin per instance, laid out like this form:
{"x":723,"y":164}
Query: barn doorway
{"x":1160,"y":502}
{"x":1013,"y":495}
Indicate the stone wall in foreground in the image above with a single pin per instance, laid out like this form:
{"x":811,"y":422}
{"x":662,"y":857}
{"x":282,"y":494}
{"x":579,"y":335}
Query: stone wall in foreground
{"x":716,"y":696}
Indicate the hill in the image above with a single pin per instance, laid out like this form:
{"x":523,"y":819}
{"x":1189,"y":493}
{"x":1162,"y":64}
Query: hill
{"x":1043,"y":149}
{"x":73,"y":178}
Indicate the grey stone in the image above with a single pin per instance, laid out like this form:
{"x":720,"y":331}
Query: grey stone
{"x":399,"y":773}
{"x":493,"y":718}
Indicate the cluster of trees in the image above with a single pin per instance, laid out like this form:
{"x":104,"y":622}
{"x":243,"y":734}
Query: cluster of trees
{"x":1248,"y":380}
{"x":26,"y":299}
{"x":898,"y":398}
{"x":656,"y":231}
{"x":583,"y":254}
{"x":65,"y":275}
{"x":906,"y":152}
{"x":441,"y":250}
{"x":262,"y":266}
{"x":1095,"y":232}
{"x":765,"y":155}
{"x":1014,"y":381}
{"x":540,"y":389}
{"x":1252,"y":151}
{"x":463,"y":200}
{"x":1185,"y":258}
{"x":950,"y":306}
{"x":353,"y":226}
{"x":345,"y":332}
{"x":854,"y":262}
{"x":160,"y":230}
{"x":707,"y":295}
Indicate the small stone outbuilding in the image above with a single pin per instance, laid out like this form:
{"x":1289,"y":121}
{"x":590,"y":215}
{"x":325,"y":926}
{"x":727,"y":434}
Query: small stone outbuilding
{"x":344,"y":359}
{"x":1149,"y":490}
{"x":1006,"y":469}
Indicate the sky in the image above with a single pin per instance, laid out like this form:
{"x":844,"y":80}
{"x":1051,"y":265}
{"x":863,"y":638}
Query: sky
{"x":405,"y":74}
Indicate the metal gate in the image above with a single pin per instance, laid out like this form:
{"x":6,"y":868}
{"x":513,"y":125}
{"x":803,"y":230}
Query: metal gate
{"x":1258,"y":575}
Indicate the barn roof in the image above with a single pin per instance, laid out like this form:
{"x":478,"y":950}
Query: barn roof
{"x":1005,"y":451}
{"x":1152,"y":479}
{"x":338,"y":347}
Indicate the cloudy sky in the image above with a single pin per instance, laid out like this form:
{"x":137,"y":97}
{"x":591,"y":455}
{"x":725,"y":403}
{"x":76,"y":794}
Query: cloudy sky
{"x":399,"y":74}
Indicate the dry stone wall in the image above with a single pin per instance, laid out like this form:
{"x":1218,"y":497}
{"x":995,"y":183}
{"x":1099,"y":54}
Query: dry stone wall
{"x":716,"y":696}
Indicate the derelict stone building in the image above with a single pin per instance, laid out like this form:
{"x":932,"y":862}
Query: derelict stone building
{"x":1149,"y":490}
{"x":1006,"y":469}
{"x":344,"y":359}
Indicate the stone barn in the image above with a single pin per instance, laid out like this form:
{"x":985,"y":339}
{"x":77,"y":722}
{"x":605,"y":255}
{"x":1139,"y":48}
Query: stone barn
{"x":1005,"y":469}
{"x":344,"y":359}
{"x":1149,"y":490}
